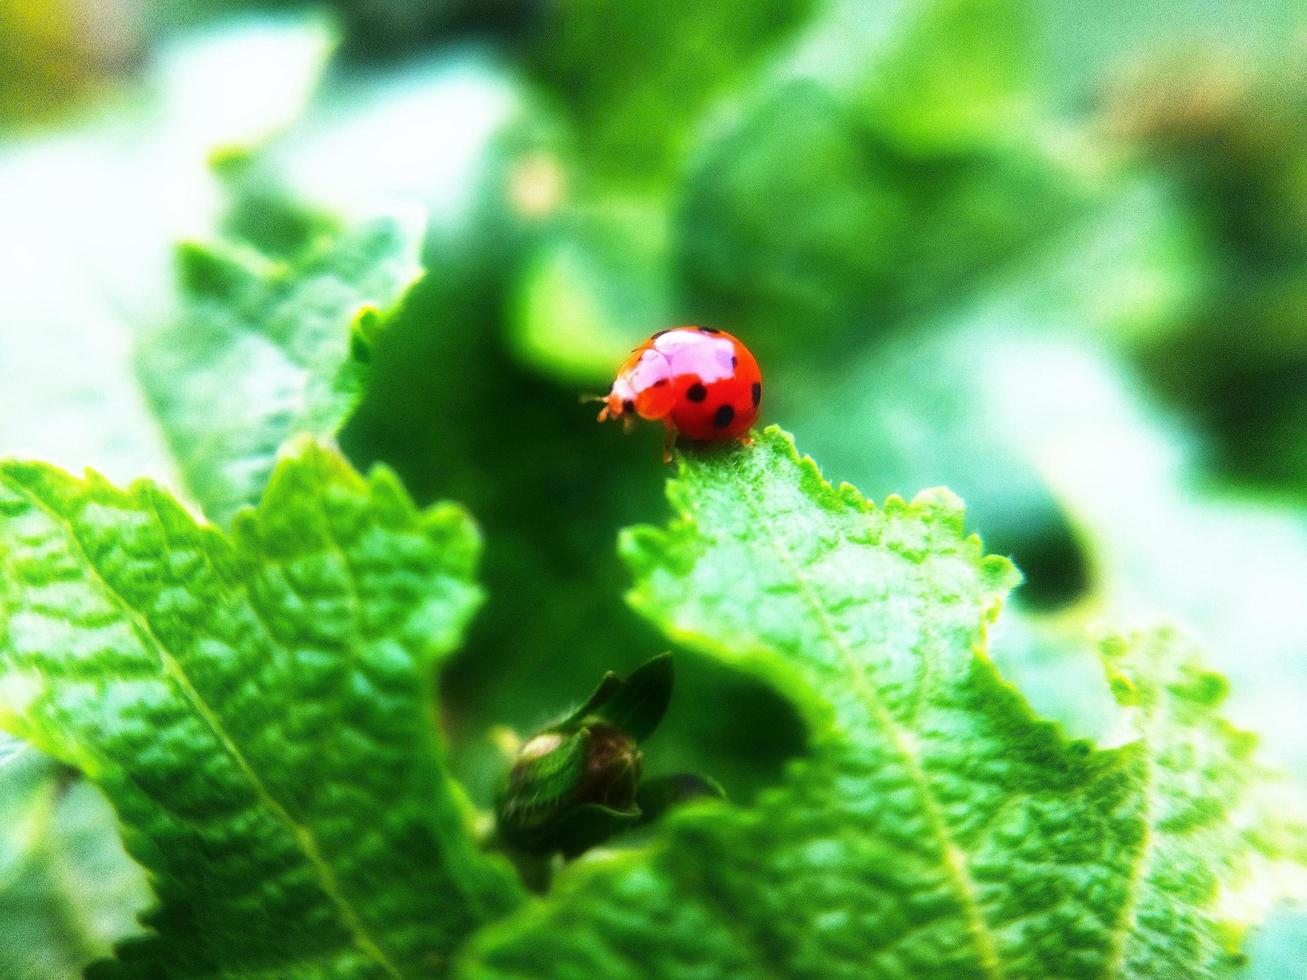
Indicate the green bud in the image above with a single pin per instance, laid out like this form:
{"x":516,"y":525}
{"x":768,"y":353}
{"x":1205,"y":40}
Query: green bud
{"x":558,"y":773}
{"x":577,"y":782}
{"x":612,"y":769}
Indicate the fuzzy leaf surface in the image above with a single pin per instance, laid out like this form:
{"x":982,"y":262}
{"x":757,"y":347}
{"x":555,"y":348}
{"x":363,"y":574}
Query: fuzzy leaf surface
{"x":258,"y":709}
{"x":267,"y":347}
{"x":937,"y":827}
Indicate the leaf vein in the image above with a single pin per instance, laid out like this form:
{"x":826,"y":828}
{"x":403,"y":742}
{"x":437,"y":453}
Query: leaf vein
{"x":1134,"y":886}
{"x":964,"y":886}
{"x":302,"y":835}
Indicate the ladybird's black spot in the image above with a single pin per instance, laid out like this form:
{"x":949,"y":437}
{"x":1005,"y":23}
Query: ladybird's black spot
{"x":757,"y":392}
{"x":709,"y":330}
{"x":696,"y":392}
{"x":723,"y":416}
{"x":735,"y":361}
{"x":628,"y":406}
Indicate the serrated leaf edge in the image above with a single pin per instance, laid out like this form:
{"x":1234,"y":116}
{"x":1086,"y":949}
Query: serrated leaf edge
{"x":303,"y":836}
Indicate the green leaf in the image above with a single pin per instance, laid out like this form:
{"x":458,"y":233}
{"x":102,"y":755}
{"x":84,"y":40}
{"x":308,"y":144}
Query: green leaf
{"x":804,"y":216}
{"x":955,"y":72}
{"x":1013,"y":400}
{"x":636,"y":705}
{"x":67,"y":890}
{"x":937,"y":828}
{"x":270,"y":332}
{"x":264,"y":350}
{"x":640,"y":703}
{"x":638,"y":76}
{"x":258,"y":709}
{"x":889,"y":158}
{"x":94,"y":211}
{"x":608,"y":685}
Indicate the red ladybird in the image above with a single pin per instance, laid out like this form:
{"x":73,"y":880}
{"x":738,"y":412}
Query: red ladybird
{"x":699,"y":382}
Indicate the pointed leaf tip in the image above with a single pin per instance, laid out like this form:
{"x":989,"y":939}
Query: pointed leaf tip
{"x":640,"y":703}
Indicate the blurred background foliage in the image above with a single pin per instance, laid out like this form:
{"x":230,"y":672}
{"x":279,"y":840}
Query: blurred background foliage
{"x":1051,"y":255}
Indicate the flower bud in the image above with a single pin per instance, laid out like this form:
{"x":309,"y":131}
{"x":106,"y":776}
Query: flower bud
{"x":569,"y":791}
{"x":577,"y":783}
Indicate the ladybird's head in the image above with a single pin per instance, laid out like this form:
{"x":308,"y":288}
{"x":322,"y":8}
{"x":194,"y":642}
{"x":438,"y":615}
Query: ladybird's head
{"x":619,"y":403}
{"x":616,"y":407}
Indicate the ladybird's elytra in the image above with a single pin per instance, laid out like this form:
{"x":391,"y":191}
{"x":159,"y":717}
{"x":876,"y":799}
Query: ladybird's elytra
{"x":700,"y":382}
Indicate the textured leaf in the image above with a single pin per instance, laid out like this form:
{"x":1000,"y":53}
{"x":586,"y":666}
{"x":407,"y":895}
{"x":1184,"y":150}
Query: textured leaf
{"x":257,"y":709}
{"x":938,"y":828}
{"x":258,"y":347}
{"x":264,"y":350}
{"x":1012,"y":400}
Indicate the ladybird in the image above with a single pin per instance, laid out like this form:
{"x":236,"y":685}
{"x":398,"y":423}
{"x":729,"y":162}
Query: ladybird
{"x":700,"y":382}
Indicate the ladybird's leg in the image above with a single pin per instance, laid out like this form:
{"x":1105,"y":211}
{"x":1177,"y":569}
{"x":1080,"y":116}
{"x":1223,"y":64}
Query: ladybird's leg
{"x":746,"y":439}
{"x":603,"y":414}
{"x":669,"y":441}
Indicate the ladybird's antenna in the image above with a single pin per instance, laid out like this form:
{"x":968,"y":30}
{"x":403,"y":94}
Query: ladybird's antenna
{"x":604,"y":412}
